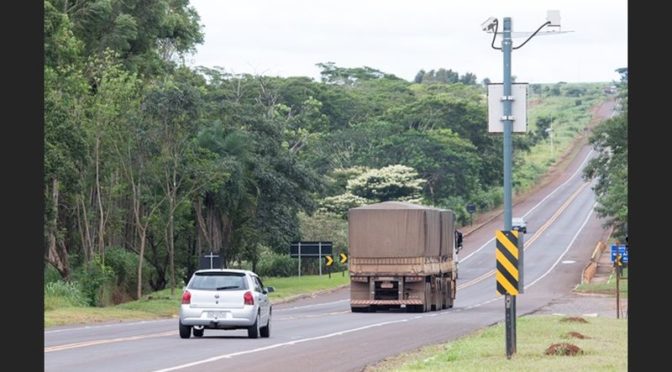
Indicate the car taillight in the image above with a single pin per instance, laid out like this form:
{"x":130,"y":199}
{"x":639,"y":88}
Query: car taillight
{"x":249,"y":299}
{"x":186,"y":298}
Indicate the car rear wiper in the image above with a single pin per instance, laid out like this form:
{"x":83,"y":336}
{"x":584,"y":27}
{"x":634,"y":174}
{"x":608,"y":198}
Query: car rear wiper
{"x":227,"y":287}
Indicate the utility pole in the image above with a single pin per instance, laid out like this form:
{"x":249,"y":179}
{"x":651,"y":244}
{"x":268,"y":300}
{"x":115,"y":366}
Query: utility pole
{"x":507,"y":119}
{"x":510,"y":300}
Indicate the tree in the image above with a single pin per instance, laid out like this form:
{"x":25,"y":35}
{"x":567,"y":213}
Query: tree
{"x":394,"y":182}
{"x":147,"y":34}
{"x":610,"y":169}
{"x":64,"y":140}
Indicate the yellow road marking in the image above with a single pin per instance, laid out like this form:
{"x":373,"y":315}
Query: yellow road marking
{"x":108,"y":341}
{"x":534,"y":237}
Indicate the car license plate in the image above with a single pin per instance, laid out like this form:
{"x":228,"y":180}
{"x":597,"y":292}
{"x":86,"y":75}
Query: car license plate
{"x":219,"y":314}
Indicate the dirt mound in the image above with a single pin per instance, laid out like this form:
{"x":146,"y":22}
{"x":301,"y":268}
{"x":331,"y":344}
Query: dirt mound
{"x":563,"y":349}
{"x":576,"y":335}
{"x":574,"y":319}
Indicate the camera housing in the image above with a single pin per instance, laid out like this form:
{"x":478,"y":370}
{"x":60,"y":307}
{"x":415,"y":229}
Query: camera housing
{"x":489,"y":24}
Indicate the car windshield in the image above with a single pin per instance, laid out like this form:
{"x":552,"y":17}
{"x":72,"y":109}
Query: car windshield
{"x":218,"y":281}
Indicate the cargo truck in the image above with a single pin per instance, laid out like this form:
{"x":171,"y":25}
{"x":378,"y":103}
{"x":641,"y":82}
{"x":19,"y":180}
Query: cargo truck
{"x":402,"y":255}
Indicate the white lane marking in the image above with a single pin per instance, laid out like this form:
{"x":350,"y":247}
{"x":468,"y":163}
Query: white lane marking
{"x":110,"y":325}
{"x":274,"y":346}
{"x":314,"y":305}
{"x":339,"y":333}
{"x":125,"y":324}
{"x":585,"y":222}
{"x":538,"y":204}
{"x":568,"y":261}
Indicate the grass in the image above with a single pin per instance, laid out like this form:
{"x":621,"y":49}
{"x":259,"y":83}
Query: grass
{"x":570,"y":120}
{"x":605,"y":350}
{"x":162,"y":304}
{"x":608,"y":287}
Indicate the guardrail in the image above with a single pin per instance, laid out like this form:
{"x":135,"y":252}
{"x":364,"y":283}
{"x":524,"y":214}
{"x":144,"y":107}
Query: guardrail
{"x":591,"y":267}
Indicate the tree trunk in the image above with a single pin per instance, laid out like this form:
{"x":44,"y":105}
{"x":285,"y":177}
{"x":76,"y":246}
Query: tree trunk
{"x":56,"y":254}
{"x":143,"y":235}
{"x":101,"y":222}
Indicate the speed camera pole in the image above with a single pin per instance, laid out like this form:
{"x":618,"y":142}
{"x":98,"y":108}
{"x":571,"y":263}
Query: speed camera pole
{"x":510,"y":283}
{"x":509,"y":301}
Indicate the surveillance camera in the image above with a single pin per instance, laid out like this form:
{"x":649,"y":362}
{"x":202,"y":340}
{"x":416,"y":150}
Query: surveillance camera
{"x":489,"y":24}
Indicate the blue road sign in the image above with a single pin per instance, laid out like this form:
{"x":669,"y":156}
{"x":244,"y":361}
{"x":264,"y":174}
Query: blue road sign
{"x":619,"y":249}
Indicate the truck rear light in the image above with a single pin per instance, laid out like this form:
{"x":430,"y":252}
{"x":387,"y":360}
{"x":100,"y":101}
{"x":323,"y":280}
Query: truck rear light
{"x":186,"y":298}
{"x":248,"y":298}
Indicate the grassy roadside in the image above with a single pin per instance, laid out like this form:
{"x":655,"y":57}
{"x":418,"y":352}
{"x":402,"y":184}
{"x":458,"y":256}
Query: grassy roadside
{"x":162,"y":305}
{"x":604,"y":348}
{"x":607,"y":287}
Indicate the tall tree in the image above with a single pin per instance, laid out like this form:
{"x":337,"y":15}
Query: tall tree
{"x":610,"y":170}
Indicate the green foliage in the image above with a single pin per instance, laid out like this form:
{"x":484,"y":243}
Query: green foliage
{"x":51,"y":274}
{"x":123,"y":265}
{"x":277,"y":265}
{"x":58,"y":294}
{"x":97,"y":281}
{"x":610,"y":169}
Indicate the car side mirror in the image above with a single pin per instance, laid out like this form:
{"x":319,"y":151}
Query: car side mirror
{"x":269,"y":289}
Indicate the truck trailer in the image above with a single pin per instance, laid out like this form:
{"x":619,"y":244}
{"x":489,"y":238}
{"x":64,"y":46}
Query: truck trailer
{"x":402,"y":255}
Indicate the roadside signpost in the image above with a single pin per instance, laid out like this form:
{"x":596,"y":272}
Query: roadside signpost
{"x":310,"y":249}
{"x":621,"y":249}
{"x":471,"y":208}
{"x":619,"y":258}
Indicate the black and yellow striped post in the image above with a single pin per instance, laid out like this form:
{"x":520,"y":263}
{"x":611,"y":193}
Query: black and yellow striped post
{"x":507,"y":275}
{"x":507,"y":262}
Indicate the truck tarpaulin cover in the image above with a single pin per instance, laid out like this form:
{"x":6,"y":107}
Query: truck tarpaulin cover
{"x":400,"y":229}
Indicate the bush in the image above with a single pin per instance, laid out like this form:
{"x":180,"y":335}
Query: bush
{"x":51,"y":274}
{"x":63,"y":294}
{"x":124,"y":265}
{"x":276,"y":265}
{"x":97,"y":282}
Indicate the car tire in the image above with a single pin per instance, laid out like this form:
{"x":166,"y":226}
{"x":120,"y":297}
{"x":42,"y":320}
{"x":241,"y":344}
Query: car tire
{"x":198,"y":332}
{"x":253,"y":330}
{"x":185,"y":331}
{"x":266,"y":330}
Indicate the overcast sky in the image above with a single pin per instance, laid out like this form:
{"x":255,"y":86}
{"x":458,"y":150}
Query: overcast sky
{"x":401,"y":37}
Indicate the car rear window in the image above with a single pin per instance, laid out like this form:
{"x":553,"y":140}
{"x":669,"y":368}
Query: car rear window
{"x":218,"y":281}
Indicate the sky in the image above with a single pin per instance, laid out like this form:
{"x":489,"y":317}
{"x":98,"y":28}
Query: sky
{"x":401,"y":37}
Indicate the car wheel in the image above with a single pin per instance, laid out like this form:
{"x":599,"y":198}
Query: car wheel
{"x":185,"y":331}
{"x":199,"y":332}
{"x":266,"y":331}
{"x":253,"y":331}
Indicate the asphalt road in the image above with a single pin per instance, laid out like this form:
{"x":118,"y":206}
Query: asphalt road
{"x":321,"y":334}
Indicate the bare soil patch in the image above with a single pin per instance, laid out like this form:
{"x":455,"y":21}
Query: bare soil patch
{"x":563,"y":349}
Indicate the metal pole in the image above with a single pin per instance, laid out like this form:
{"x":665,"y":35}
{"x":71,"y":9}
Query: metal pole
{"x":299,"y":259}
{"x":508,"y":122}
{"x":319,"y":249}
{"x":513,"y":325}
{"x":618,"y":297}
{"x":509,"y":325}
{"x":508,"y":128}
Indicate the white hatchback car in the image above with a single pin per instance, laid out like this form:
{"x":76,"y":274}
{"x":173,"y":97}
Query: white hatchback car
{"x":518,"y":223}
{"x":225,"y":299}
